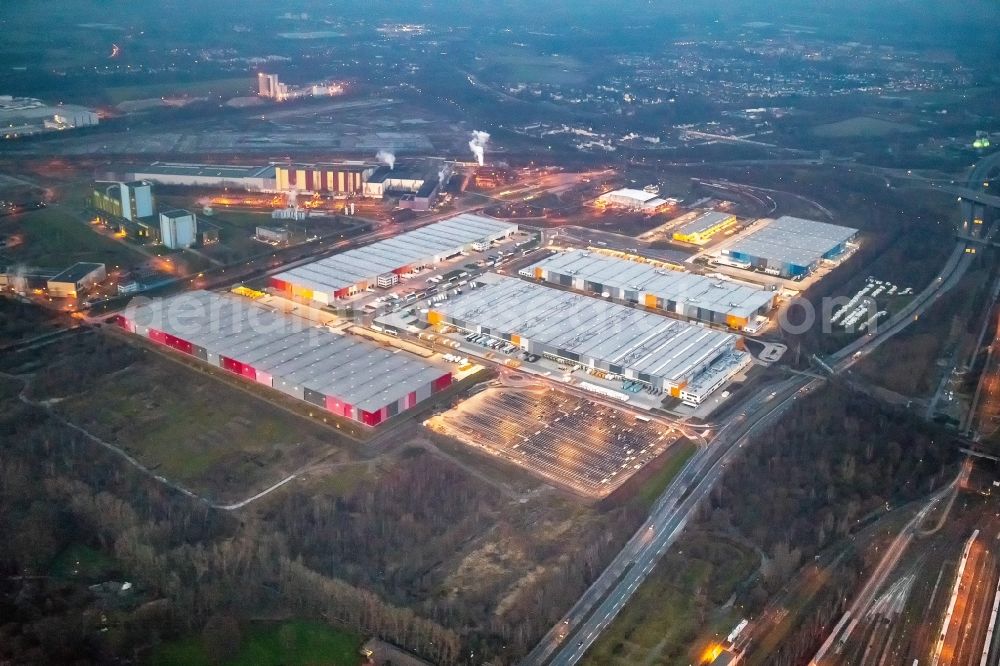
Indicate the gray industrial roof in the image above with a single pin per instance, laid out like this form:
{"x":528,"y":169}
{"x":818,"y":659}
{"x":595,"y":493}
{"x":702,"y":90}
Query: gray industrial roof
{"x":77,"y":272}
{"x":703,"y":222}
{"x":616,"y":334}
{"x":347,"y":165}
{"x":793,"y":240}
{"x":356,"y":371}
{"x":715,"y":294}
{"x":207,"y":170}
{"x":414,"y":247}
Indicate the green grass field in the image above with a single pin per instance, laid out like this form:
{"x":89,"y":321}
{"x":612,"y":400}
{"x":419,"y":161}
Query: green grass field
{"x":294,"y":643}
{"x":673,"y":608}
{"x":196,"y":429}
{"x":81,"y":562}
{"x":862,"y":127}
{"x":678,"y":454}
{"x":225,"y":87}
{"x":54,"y":238}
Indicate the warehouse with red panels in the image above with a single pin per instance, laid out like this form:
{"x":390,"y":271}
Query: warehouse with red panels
{"x":343,"y":374}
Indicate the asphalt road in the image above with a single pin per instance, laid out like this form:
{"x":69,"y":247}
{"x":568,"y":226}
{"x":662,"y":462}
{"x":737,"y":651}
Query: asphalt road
{"x":569,"y":640}
{"x":612,"y":590}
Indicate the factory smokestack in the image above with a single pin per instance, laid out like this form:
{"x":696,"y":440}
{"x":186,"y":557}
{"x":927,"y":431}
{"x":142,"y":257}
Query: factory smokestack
{"x":387,"y":158}
{"x":478,"y":145}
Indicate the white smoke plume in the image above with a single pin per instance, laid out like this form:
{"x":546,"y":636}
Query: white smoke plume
{"x":387,"y":158}
{"x":478,"y":145}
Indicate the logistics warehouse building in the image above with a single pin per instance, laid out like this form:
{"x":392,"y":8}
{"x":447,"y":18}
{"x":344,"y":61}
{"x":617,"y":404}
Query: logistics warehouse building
{"x":638,"y":200}
{"x":701,"y":229}
{"x":707,"y":299}
{"x":343,"y":374}
{"x":790,"y":246}
{"x":663,"y":353}
{"x":346,"y":274}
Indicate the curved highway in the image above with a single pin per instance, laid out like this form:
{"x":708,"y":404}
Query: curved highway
{"x":568,"y":641}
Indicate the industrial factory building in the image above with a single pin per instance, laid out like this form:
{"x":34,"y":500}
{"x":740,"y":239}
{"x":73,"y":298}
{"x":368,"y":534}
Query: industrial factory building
{"x":323,"y":178}
{"x":707,"y":299}
{"x":59,"y":283}
{"x":25,"y":116}
{"x":351,"y":272}
{"x":638,"y":200}
{"x":659,"y":352}
{"x":791,"y":247}
{"x":251,"y":178}
{"x":76,"y":280}
{"x":128,"y":208}
{"x":342,"y":374}
{"x":701,"y":229}
{"x":417,"y":177}
{"x":130,"y":201}
{"x":178,"y":229}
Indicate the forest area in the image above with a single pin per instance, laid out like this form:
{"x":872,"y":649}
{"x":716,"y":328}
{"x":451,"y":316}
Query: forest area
{"x":414,"y":550}
{"x":787,"y":527}
{"x":829,"y":469}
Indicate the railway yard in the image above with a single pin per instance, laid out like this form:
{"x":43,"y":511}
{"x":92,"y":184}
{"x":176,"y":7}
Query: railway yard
{"x":937,"y":606}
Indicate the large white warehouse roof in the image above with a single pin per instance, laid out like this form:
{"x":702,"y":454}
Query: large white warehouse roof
{"x":572,"y":324}
{"x":714,"y":294}
{"x":418,"y":247}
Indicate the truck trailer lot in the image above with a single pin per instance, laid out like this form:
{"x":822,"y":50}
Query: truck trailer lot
{"x":578,"y":444}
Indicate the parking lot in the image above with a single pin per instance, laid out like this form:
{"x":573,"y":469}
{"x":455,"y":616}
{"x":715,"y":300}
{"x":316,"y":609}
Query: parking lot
{"x":434,"y":282}
{"x":576,"y":443}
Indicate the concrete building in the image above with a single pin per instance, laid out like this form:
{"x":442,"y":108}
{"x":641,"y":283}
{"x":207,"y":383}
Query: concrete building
{"x":423,"y":198}
{"x":420,"y":178}
{"x":708,"y":299}
{"x":790,"y":247}
{"x":267,"y":85}
{"x":129,"y":208}
{"x":178,"y":229}
{"x":22,"y":279}
{"x":386,"y":280}
{"x":638,"y":200}
{"x":76,"y":280}
{"x":346,"y":274}
{"x":341,"y":374}
{"x":701,"y":229}
{"x":653,"y":350}
{"x":130,"y":201}
{"x":24,"y":116}
{"x":250,"y":178}
{"x":273,"y":235}
{"x":323,"y":178}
